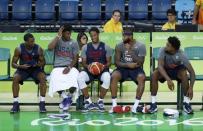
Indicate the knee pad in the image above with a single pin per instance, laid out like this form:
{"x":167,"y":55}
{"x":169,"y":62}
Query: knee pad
{"x":72,"y":90}
{"x":105,"y":78}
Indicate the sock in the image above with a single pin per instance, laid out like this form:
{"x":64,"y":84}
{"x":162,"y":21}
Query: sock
{"x":186,"y":99}
{"x":15,"y":99}
{"x":63,"y":94}
{"x":42,"y":98}
{"x":89,"y":100}
{"x":114,"y":102}
{"x":100,"y":100}
{"x":136,"y":103}
{"x":153,"y":99}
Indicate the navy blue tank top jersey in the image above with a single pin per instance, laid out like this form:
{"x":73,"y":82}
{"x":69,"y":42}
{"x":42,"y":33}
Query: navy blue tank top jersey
{"x":29,"y":57}
{"x":96,"y":55}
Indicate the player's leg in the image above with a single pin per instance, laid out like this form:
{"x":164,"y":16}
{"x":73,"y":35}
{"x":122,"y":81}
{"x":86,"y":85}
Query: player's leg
{"x":156,"y":76}
{"x":83,"y":78}
{"x":105,"y":79}
{"x":115,"y":78}
{"x":182,"y":76}
{"x":41,"y":78}
{"x":138,"y":75}
{"x":18,"y":78}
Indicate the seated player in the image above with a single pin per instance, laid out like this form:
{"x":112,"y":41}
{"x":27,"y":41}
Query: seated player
{"x":31,"y":62}
{"x":171,"y":23}
{"x":64,"y":75}
{"x":173,"y":65}
{"x":129,"y":58}
{"x":95,"y":51}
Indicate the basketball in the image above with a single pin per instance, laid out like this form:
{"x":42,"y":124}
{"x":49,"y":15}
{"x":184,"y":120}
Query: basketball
{"x":96,"y":68}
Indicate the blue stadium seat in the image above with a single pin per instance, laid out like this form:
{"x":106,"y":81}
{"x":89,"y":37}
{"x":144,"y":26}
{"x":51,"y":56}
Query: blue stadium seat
{"x":185,"y":10}
{"x":114,"y":5}
{"x":138,"y":9}
{"x":45,"y":10}
{"x":159,"y":9}
{"x":22,"y":10}
{"x":68,"y":11}
{"x":3,"y":10}
{"x":91,"y":9}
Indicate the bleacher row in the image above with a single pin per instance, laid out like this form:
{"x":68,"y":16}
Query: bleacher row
{"x":90,"y":12}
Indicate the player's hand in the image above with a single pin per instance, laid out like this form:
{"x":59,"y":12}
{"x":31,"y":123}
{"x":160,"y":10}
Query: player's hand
{"x":66,"y":70}
{"x":24,"y":66}
{"x":190,"y":93}
{"x":132,"y":65}
{"x":60,"y":31}
{"x":170,"y":85}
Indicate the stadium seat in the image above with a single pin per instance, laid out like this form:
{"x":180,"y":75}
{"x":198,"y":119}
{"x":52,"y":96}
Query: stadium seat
{"x":137,"y":9}
{"x":45,"y":10}
{"x":3,"y":10}
{"x":22,"y":10}
{"x":114,"y":5}
{"x":159,"y":9}
{"x":91,"y":11}
{"x":5,"y":57}
{"x":68,"y":11}
{"x":185,"y":10}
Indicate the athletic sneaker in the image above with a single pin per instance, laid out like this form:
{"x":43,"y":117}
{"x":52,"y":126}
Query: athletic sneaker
{"x":138,"y":109}
{"x":66,"y":103}
{"x":42,"y":108}
{"x":153,"y":108}
{"x":100,"y":106}
{"x":15,"y":108}
{"x":187,"y":108}
{"x":88,"y":106}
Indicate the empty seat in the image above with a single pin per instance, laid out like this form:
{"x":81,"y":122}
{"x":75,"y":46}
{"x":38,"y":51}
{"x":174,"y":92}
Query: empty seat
{"x":137,"y":9}
{"x":114,"y":5}
{"x":45,"y":10}
{"x":22,"y":10}
{"x":91,"y":9}
{"x":3,"y":10}
{"x":68,"y":11}
{"x":159,"y":9}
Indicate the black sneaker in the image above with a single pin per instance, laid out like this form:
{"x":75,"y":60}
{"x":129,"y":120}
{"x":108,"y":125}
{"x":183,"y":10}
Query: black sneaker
{"x":15,"y":108}
{"x":153,"y":108}
{"x":100,"y":106}
{"x":187,"y":108}
{"x":42,"y":108}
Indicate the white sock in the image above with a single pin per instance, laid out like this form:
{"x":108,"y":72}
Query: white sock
{"x":42,"y":98}
{"x":100,"y":100}
{"x":114,"y":102}
{"x":16,"y":99}
{"x":186,"y":99}
{"x":89,"y":100}
{"x":153,"y":99}
{"x":63,"y":94}
{"x":136,"y":103}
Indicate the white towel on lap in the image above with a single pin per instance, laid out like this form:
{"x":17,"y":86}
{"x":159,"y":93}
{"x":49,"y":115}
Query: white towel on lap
{"x":59,"y":81}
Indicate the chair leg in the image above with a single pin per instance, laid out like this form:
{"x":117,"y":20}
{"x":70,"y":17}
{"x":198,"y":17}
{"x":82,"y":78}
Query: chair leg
{"x":91,"y":88}
{"x":121,"y":88}
{"x":38,"y":91}
{"x":98,"y":87}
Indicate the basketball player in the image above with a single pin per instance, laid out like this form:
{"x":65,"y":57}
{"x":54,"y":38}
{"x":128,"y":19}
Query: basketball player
{"x":64,"y":75}
{"x":173,"y":65}
{"x":129,"y":58}
{"x":31,"y":65}
{"x":95,"y":51}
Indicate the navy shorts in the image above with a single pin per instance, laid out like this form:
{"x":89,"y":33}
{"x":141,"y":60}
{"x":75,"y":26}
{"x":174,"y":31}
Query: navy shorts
{"x":173,"y":73}
{"x":32,"y":72}
{"x":93,"y":77}
{"x":130,"y":73}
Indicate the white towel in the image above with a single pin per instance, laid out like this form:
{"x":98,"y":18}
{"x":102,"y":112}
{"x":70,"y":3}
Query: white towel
{"x":59,"y":81}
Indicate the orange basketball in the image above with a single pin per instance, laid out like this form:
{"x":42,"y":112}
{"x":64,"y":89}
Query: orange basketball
{"x":96,"y":68}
